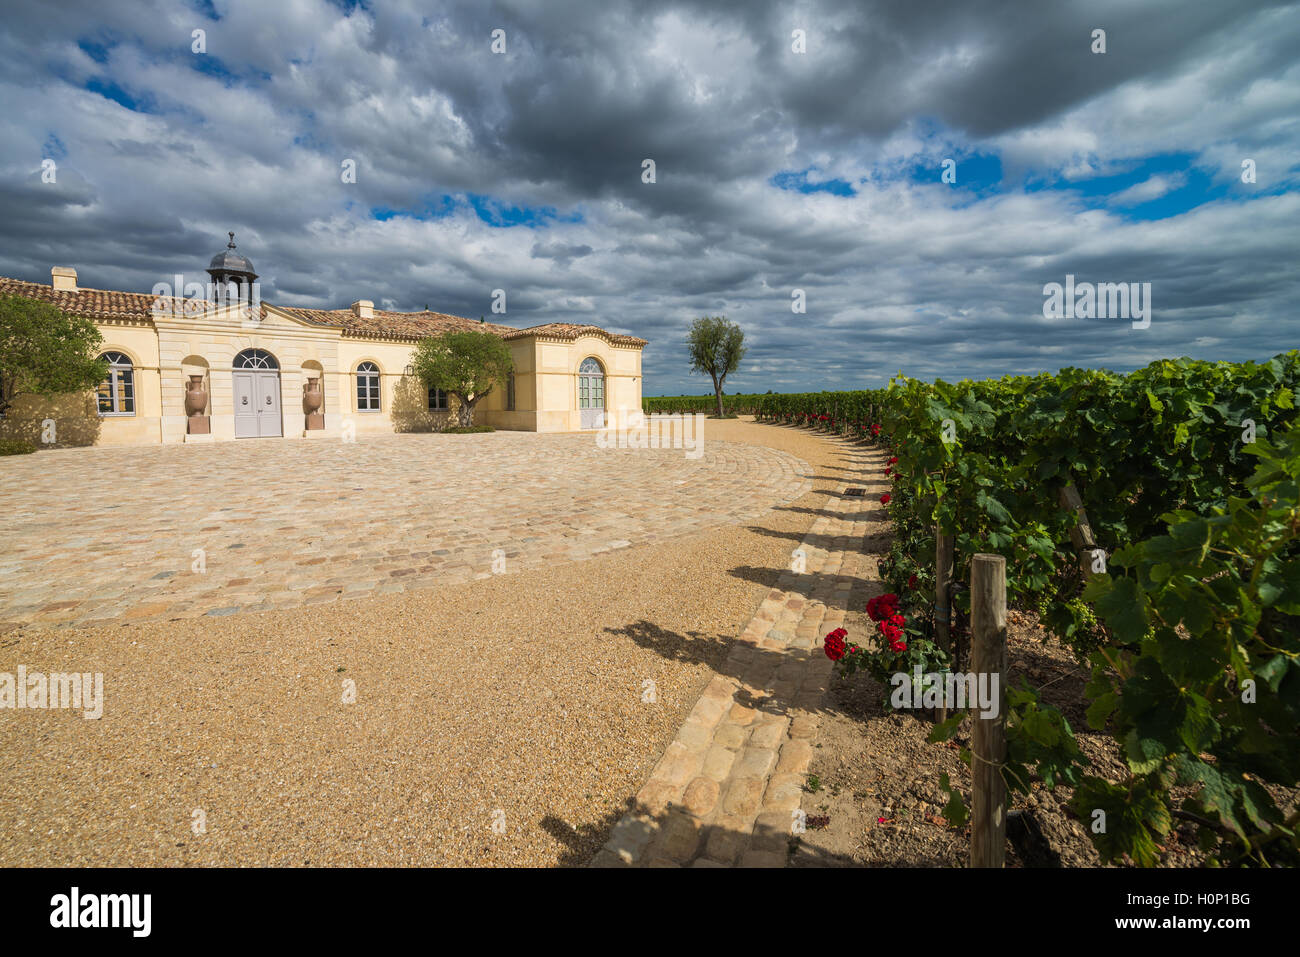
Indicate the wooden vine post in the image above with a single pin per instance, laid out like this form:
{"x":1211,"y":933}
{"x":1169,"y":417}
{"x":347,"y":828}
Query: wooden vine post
{"x":942,"y":589}
{"x":1085,"y":545}
{"x":988,"y":656}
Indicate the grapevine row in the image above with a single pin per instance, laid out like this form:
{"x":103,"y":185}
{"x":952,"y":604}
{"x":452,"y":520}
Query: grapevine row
{"x":1190,"y":611}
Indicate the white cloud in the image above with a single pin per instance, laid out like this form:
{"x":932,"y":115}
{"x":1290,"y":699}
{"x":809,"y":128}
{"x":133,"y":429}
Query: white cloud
{"x":1148,"y":189}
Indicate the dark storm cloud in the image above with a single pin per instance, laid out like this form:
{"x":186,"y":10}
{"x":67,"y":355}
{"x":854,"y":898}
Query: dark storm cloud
{"x":562,"y":253}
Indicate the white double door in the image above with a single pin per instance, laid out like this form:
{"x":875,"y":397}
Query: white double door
{"x":257,"y":404}
{"x":591,"y":401}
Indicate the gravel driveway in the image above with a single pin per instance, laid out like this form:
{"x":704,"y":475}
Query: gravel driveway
{"x":503,"y":720}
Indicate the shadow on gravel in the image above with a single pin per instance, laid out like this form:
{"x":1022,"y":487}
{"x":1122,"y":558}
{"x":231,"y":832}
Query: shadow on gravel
{"x":582,"y":845}
{"x":852,"y":479}
{"x":876,"y":514}
{"x":859,"y":591}
{"x":693,"y":647}
{"x":867,"y":543}
{"x":758,"y":665}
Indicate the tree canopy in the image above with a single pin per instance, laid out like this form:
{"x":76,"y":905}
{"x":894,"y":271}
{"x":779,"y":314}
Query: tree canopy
{"x":44,"y":351}
{"x":716,"y":345}
{"x":464,"y":364}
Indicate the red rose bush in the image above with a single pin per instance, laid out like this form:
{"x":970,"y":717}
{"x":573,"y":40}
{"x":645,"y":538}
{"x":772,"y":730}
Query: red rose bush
{"x":896,"y":649}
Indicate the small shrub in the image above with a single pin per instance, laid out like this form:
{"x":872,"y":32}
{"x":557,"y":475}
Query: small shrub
{"x":16,"y":447}
{"x":461,"y":430}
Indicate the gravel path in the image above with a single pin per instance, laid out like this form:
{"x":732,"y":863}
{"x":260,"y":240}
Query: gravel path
{"x":727,"y":790}
{"x":519,"y":700}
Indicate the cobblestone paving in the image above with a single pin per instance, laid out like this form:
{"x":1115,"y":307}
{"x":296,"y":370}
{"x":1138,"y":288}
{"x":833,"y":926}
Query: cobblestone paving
{"x":94,"y":536}
{"x":727,"y":790}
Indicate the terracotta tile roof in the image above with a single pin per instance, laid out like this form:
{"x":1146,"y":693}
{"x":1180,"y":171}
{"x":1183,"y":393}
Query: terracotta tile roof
{"x":406,"y":325}
{"x":109,"y":304}
{"x":569,"y":330}
{"x":95,"y":303}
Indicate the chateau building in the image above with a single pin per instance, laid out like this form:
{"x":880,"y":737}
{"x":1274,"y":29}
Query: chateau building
{"x":229,"y":366}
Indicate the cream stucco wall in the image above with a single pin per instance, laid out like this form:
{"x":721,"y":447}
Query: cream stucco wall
{"x":187,"y":344}
{"x":140,"y":342}
{"x":171,"y":349}
{"x":557,"y":365}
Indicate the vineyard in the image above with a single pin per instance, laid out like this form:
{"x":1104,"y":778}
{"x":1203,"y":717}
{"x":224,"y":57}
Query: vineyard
{"x":686,"y":404}
{"x":1151,"y":520}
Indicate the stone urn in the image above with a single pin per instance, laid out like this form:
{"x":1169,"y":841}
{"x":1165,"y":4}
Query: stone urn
{"x":196,"y":400}
{"x":196,"y":397}
{"x":312,"y":399}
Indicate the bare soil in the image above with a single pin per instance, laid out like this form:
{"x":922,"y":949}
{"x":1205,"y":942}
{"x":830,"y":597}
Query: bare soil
{"x":875,"y":776}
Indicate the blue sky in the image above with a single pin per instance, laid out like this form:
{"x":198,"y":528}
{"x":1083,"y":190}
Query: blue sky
{"x":777,"y":171}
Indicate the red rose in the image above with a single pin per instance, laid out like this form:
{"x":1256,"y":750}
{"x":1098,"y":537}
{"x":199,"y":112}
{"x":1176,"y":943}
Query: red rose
{"x":899,"y":645}
{"x":884,"y":499}
{"x":834,"y":646}
{"x":882,"y":607}
{"x":911,"y":582}
{"x":894,"y":460}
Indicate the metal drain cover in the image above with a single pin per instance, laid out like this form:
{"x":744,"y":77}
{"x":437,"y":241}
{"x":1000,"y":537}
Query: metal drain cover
{"x":855,"y":491}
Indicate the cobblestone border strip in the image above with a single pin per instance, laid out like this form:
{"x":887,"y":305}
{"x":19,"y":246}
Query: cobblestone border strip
{"x":728,"y":787}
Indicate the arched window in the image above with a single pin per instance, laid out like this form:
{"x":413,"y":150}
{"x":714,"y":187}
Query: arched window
{"x":591,"y":366}
{"x":117,"y":392}
{"x":255,"y":359}
{"x":367,"y":387}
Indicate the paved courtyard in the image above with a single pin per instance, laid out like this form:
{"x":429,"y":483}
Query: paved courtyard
{"x":94,"y":536}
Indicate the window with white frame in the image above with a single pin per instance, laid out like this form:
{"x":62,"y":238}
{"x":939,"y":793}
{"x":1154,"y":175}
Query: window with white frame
{"x":367,"y":387}
{"x":117,"y":392}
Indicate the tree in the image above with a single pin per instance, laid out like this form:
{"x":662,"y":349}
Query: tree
{"x":44,"y":351}
{"x":464,"y":364}
{"x":717,"y":345}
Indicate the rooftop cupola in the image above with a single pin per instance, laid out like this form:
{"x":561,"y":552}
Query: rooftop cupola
{"x":229,"y":266}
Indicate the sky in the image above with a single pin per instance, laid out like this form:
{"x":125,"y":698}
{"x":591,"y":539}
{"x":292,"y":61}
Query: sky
{"x":798,"y":148}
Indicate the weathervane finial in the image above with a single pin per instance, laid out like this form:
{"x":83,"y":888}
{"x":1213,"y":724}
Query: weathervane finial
{"x":231,"y":244}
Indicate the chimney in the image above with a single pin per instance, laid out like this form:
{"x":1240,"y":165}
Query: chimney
{"x":364,"y":308}
{"x":64,"y":279}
